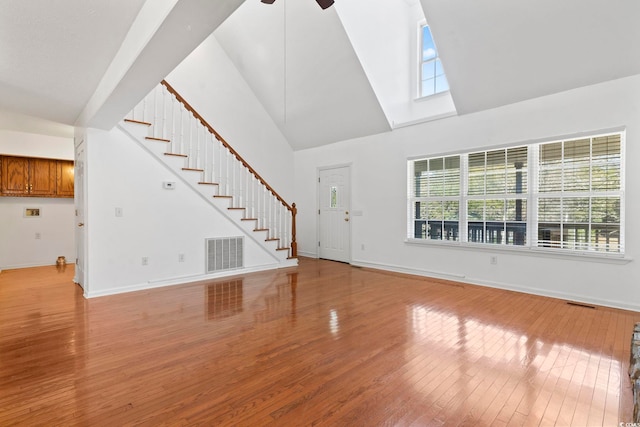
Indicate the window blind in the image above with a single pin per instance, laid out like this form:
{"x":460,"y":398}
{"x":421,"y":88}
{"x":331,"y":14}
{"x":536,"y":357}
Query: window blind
{"x":559,"y":195}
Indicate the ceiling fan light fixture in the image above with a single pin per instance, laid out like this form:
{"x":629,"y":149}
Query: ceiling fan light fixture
{"x":324,"y":3}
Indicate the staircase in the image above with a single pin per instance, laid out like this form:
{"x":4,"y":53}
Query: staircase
{"x":166,"y":125}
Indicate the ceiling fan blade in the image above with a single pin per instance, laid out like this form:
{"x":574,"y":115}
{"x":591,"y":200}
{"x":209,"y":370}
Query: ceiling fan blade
{"x":324,"y":3}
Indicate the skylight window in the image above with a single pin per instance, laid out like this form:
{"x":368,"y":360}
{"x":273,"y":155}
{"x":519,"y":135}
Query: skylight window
{"x":432,"y":78}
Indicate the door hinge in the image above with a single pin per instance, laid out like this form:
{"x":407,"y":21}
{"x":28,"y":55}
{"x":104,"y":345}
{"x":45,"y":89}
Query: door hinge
{"x":318,"y":244}
{"x":318,"y":179}
{"x":318,"y":211}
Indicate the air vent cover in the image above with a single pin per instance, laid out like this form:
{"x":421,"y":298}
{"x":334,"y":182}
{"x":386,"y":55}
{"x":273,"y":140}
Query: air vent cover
{"x":224,"y":254}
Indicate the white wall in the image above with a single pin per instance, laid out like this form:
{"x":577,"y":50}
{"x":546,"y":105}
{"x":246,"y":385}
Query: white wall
{"x":379,"y":189}
{"x":30,"y":242}
{"x":35,"y":145}
{"x":209,"y":81}
{"x":156,"y":223}
{"x":18,"y":244}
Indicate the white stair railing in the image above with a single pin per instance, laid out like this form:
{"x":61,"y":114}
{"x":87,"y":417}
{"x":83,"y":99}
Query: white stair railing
{"x":186,"y":133}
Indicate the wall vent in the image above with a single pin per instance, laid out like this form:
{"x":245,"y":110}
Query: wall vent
{"x":224,"y":254}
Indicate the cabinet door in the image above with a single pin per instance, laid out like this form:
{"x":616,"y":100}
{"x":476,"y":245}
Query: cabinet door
{"x":64,"y":179}
{"x":42,"y":177}
{"x":14,"y":176}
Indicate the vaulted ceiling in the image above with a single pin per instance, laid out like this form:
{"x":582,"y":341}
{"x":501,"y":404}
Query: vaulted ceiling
{"x":86,"y":62}
{"x":499,"y":52}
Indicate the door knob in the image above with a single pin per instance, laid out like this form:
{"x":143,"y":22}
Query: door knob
{"x":346,"y":219}
{"x":81,"y":224}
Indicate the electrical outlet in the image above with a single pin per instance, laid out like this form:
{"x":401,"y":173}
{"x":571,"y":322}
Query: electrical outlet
{"x":145,"y":260}
{"x":180,"y":257}
{"x":118,"y":212}
{"x":493,"y":260}
{"x":38,"y":236}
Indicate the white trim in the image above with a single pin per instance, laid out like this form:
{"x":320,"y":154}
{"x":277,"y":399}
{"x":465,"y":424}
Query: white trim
{"x":498,"y":285}
{"x":603,"y":257}
{"x":395,"y":125}
{"x":556,"y":138}
{"x":29,"y":265}
{"x":308,"y":254}
{"x":152,"y":284}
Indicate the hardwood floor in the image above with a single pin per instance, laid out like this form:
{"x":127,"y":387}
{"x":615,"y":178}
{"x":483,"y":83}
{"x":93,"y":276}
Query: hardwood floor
{"x":321,"y":344}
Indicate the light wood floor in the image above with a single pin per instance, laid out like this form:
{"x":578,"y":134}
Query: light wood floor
{"x":320,"y":344}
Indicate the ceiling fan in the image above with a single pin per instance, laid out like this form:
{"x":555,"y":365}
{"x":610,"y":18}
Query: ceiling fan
{"x":322,"y":3}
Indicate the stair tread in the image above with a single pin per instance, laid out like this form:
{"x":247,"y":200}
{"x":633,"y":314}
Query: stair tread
{"x":260,"y":229}
{"x":236,"y":209}
{"x":249,"y":219}
{"x":218,"y":196}
{"x":208,"y":183}
{"x":174,"y":154}
{"x":271,"y":239}
{"x":137,"y":122}
{"x":153,"y":138}
{"x":193,"y":169}
{"x":282,"y":249}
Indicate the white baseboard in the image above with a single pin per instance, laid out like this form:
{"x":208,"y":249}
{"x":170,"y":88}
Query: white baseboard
{"x":308,"y":254}
{"x":172,"y":281}
{"x":17,"y":266}
{"x":499,"y":285}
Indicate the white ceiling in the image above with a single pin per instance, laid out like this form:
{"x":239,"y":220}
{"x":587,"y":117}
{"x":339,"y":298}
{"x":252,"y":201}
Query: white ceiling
{"x":55,"y":54}
{"x":88,"y":62}
{"x":498,"y":52}
{"x":299,"y":62}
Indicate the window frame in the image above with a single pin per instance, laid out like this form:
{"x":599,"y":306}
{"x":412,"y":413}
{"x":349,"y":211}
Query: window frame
{"x":420,"y":64}
{"x":443,"y":198}
{"x":531,"y":196}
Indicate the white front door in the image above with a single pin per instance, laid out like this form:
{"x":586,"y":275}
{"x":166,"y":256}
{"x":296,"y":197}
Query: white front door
{"x":79,"y":194}
{"x":335,"y":221}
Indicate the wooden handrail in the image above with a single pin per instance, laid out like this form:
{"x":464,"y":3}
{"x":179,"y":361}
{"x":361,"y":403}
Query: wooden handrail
{"x":291,"y":208}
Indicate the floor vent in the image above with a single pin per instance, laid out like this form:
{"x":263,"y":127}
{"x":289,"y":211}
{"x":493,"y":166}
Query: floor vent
{"x":579,"y":304}
{"x":224,"y":253}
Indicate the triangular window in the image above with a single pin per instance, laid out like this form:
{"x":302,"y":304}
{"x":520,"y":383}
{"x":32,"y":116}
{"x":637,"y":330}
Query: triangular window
{"x":432,"y":78}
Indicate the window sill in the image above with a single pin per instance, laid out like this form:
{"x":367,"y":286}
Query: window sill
{"x":434,"y":96}
{"x":524,"y":251}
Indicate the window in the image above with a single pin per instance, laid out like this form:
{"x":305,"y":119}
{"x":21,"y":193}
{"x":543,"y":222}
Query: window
{"x":432,"y":78}
{"x":436,"y":198}
{"x":561,"y":195}
{"x":496,"y":196}
{"x":579,"y":194}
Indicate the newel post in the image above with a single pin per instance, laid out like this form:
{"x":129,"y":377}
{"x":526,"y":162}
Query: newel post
{"x":294,"y":244}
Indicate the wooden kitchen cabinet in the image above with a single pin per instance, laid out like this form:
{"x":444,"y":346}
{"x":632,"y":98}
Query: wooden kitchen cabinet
{"x":64,"y":178}
{"x":33,"y":177}
{"x":14,"y":176}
